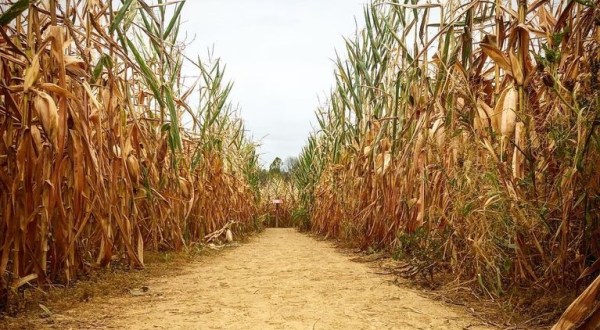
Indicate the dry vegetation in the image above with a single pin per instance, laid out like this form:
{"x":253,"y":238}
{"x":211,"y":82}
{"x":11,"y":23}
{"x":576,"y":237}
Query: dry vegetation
{"x":278,"y":187}
{"x":96,"y":161}
{"x":464,"y":136}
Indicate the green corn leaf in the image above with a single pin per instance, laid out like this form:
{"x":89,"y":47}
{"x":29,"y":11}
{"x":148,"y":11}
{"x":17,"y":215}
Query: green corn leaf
{"x":174,"y":20}
{"x":104,"y":62}
{"x":15,"y":10}
{"x":120,"y":15}
{"x":174,"y":119}
{"x":148,"y":74}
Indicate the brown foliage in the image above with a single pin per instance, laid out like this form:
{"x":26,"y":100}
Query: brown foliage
{"x":86,"y":174}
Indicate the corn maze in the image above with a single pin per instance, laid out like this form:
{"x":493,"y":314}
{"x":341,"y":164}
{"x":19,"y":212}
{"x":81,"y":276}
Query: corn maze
{"x":460,"y":136}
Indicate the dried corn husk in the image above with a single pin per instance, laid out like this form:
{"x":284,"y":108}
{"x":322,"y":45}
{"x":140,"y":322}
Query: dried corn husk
{"x":133,"y":167}
{"x":75,"y":66}
{"x":437,"y":133}
{"x":382,"y":163}
{"x":509,"y":112}
{"x":48,"y":114}
{"x":32,"y":73}
{"x":37,"y":138}
{"x":116,"y":151}
{"x":186,"y":187}
{"x":487,"y":116}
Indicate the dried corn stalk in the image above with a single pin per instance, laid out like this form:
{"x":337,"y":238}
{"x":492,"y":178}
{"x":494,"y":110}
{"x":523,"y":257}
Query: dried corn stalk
{"x":490,"y":109}
{"x":95,"y":165}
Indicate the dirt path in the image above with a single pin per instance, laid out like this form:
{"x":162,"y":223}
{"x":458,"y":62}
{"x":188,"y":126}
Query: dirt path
{"x":281,"y":280}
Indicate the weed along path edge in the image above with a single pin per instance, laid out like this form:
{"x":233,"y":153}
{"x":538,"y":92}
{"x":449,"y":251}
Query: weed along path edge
{"x":280,"y":280}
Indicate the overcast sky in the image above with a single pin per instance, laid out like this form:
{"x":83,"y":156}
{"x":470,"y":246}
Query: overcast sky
{"x":279,"y":54}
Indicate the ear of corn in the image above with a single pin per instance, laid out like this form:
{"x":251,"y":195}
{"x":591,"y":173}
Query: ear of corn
{"x":48,"y":114}
{"x":509,"y":112}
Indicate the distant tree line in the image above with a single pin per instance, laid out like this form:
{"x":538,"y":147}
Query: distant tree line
{"x":279,"y":168}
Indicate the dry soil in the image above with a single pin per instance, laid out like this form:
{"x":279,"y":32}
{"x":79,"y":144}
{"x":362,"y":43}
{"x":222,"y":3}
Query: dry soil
{"x":280,"y":280}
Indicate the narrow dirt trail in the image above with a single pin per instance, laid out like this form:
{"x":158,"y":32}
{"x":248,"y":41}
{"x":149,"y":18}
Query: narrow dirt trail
{"x":280,"y":280}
